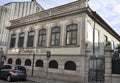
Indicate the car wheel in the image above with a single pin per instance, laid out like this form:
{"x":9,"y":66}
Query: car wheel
{"x":9,"y":78}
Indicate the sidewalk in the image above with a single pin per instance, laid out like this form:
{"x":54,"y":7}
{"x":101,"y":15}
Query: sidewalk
{"x":36,"y":79}
{"x":42,"y":80}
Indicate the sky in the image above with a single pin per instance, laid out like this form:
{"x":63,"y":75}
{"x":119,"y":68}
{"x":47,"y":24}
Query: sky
{"x":109,"y":10}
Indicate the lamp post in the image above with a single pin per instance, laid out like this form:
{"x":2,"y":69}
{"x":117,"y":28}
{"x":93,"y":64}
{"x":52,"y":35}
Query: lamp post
{"x":33,"y":64}
{"x":2,"y":57}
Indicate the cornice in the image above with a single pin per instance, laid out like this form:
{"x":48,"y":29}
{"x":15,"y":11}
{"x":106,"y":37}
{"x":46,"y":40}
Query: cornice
{"x":48,"y":14}
{"x":61,"y":11}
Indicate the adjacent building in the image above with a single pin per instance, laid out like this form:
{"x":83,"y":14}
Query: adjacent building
{"x":70,"y":33}
{"x":14,"y":10}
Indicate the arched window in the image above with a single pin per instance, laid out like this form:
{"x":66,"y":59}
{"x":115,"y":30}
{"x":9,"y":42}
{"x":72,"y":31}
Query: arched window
{"x":53,"y":64}
{"x":10,"y":61}
{"x":30,"y":40}
{"x":18,"y":62}
{"x":13,"y":39}
{"x":39,"y":63}
{"x":55,"y":36}
{"x":21,"y":39}
{"x":71,"y":34}
{"x":42,"y":37}
{"x":28,"y":62}
{"x":70,"y":65}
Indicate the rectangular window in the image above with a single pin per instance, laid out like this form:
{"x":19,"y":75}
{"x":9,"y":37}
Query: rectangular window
{"x":42,"y":37}
{"x":96,"y":38}
{"x":71,"y":34}
{"x":55,"y":36}
{"x":90,"y":33}
{"x":30,"y":40}
{"x":112,"y":44}
{"x":105,"y":39}
{"x":21,"y":40}
{"x":13,"y":39}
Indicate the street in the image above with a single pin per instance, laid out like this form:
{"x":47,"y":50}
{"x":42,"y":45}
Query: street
{"x":4,"y":81}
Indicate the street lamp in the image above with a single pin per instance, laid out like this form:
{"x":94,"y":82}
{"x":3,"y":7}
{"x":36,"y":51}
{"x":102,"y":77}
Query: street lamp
{"x":33,"y":64}
{"x":2,"y":57}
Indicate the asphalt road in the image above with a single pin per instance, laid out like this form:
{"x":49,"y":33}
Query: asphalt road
{"x":4,"y":81}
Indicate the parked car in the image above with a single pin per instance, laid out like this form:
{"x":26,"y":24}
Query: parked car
{"x":13,"y":72}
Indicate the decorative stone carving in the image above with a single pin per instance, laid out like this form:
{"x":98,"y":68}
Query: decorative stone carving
{"x":50,"y":12}
{"x":108,"y":47}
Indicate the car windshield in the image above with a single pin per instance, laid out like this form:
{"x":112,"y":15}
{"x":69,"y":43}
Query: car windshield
{"x":21,"y":68}
{"x":6,"y":67}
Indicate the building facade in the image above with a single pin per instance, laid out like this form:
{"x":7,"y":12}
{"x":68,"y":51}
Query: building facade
{"x":71,"y":33}
{"x":4,"y":12}
{"x":14,"y":10}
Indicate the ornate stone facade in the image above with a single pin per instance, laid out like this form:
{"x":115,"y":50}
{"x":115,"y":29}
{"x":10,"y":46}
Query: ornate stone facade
{"x":69,"y":59}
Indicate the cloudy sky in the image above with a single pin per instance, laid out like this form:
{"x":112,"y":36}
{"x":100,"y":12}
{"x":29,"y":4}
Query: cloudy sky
{"x":109,"y":10}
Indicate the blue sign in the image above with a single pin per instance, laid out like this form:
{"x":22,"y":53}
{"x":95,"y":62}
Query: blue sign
{"x":48,"y":54}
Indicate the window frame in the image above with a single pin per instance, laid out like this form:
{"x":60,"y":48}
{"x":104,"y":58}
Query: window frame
{"x":98,"y":40}
{"x":13,"y":41}
{"x":21,"y":39}
{"x":39,"y":65}
{"x":70,"y":33}
{"x":42,"y":35}
{"x":30,"y":38}
{"x":53,"y":64}
{"x":70,"y":65}
{"x":26,"y":62}
{"x":18,"y":62}
{"x":105,"y":39}
{"x":10,"y":61}
{"x":54,"y":35}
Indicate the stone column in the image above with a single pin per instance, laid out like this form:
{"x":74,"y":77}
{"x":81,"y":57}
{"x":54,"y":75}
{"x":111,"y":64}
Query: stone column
{"x":108,"y":63}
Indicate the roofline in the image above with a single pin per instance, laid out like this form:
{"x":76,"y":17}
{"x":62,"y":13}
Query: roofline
{"x":49,"y":11}
{"x":86,"y":10}
{"x":96,"y":17}
{"x":15,"y":2}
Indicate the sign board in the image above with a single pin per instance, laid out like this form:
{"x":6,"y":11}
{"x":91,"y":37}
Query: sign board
{"x":48,"y":54}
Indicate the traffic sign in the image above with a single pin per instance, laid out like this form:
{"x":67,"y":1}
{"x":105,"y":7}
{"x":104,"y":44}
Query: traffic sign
{"x":48,"y":54}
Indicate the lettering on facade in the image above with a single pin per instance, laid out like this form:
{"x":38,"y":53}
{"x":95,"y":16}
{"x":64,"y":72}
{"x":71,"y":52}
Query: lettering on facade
{"x":31,"y":51}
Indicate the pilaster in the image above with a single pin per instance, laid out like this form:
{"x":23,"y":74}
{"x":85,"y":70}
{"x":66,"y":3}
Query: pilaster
{"x":108,"y":62}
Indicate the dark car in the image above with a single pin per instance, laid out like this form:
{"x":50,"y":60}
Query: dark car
{"x":13,"y":72}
